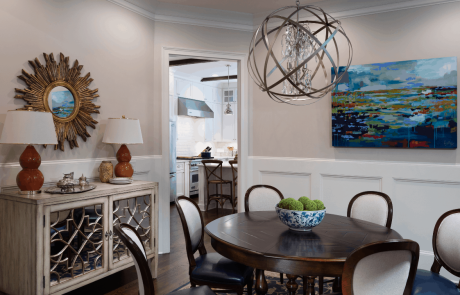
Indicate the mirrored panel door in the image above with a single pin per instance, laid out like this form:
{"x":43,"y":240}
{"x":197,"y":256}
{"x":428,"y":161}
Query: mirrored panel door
{"x":135,"y":211}
{"x":76,"y":241}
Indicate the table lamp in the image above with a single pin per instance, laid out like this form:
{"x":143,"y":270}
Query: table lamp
{"x":123,"y":131}
{"x":29,"y":127}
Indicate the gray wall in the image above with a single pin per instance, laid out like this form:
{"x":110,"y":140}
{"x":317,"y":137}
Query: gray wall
{"x":112,"y":43}
{"x":285,"y":131}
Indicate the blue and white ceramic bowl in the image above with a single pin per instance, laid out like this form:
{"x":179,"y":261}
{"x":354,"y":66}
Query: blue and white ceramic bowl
{"x":300,"y":220}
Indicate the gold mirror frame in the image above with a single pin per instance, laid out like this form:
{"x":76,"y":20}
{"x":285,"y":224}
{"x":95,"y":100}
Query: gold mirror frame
{"x":51,"y":75}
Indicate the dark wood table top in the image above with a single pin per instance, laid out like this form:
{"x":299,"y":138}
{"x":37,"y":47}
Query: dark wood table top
{"x":261,"y":240}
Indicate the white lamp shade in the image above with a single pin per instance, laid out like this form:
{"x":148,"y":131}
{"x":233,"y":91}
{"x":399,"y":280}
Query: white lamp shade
{"x":28,"y":127}
{"x":123,"y":131}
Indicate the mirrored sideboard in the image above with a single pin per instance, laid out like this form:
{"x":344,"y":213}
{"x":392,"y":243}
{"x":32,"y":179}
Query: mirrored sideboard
{"x":53,"y":243}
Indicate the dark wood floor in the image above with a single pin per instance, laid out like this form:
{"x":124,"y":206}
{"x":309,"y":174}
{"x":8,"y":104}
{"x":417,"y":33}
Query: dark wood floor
{"x":172,"y":267}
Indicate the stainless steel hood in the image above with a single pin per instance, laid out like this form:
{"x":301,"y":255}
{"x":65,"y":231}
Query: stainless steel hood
{"x":194,"y":108}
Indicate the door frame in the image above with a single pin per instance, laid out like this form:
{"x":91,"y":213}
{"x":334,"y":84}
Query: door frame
{"x":243,"y":126}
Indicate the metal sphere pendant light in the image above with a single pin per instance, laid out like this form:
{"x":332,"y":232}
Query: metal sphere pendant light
{"x":302,"y":57}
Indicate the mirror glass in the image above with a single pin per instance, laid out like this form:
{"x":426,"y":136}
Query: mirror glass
{"x":61,"y":102}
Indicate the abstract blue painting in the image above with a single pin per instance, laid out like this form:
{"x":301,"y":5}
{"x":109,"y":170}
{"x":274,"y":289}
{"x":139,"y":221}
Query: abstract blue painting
{"x":406,"y":104}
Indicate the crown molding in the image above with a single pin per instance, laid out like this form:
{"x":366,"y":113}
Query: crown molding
{"x":196,"y":21}
{"x":403,"y":5}
{"x":134,"y":8}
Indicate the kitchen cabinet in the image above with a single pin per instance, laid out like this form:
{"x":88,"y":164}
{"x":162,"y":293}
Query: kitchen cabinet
{"x":183,"y":88}
{"x":230,"y":124}
{"x":183,"y":178}
{"x":180,"y":182}
{"x":197,"y":90}
{"x":217,"y":95}
{"x":229,"y":94}
{"x":208,"y":93}
{"x":180,"y":178}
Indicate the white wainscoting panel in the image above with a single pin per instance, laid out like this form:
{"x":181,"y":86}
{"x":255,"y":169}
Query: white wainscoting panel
{"x":420,"y":192}
{"x":338,"y":190}
{"x":291,"y":184}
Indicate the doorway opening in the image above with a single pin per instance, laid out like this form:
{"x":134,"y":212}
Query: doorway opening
{"x":198,"y":88}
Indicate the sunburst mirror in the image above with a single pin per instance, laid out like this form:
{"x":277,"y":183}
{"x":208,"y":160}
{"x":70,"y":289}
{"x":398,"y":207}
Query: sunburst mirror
{"x":59,"y":89}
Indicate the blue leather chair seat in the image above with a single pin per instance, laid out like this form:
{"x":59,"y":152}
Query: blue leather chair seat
{"x":214,"y":268}
{"x":203,"y":290}
{"x":430,"y":283}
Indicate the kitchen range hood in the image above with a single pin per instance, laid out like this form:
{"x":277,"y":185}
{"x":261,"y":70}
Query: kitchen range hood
{"x":194,"y":108}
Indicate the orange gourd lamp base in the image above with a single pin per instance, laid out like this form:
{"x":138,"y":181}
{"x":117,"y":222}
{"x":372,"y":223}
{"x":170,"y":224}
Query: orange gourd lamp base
{"x":124,"y":168}
{"x":30,"y":180}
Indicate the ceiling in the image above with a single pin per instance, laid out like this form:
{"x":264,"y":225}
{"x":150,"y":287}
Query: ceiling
{"x":259,"y":6}
{"x":208,"y":69}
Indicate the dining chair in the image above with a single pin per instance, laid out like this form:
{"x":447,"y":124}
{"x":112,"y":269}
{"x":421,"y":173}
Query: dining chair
{"x":381,"y":268}
{"x":372,"y":206}
{"x":130,"y":237}
{"x":234,"y":165}
{"x":262,"y":197}
{"x":216,"y":173}
{"x":446,"y":248}
{"x":210,"y":269}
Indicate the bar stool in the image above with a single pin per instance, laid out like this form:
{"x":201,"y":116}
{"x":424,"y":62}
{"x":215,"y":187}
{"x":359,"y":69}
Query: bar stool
{"x":234,"y":165}
{"x":212,"y":170}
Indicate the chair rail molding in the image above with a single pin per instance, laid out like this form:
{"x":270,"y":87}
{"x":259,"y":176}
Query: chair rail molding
{"x":420,"y":192}
{"x":53,"y":170}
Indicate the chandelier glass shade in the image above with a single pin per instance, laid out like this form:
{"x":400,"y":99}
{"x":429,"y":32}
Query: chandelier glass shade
{"x":304,"y":52}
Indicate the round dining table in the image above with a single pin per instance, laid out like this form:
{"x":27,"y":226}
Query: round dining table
{"x":260,"y":240}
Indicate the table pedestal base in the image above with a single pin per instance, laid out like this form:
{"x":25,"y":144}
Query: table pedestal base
{"x":261,"y":283}
{"x":291,"y":284}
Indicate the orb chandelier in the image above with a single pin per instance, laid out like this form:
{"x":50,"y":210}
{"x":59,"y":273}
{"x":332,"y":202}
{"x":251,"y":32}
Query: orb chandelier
{"x":302,"y":57}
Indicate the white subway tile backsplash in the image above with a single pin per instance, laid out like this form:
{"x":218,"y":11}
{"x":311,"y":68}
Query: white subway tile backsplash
{"x":187,"y":144}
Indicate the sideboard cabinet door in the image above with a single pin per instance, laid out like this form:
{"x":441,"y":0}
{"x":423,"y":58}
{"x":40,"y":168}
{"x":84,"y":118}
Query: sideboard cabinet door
{"x":137,"y":210}
{"x":75,"y":242}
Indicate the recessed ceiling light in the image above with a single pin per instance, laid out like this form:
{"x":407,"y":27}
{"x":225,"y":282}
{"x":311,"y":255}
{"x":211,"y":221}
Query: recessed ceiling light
{"x":215,"y":75}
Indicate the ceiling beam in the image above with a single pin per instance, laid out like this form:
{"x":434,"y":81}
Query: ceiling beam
{"x":208,"y":79}
{"x":188,"y":61}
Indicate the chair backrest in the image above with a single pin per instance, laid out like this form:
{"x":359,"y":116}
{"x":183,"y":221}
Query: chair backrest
{"x":372,"y":206}
{"x":262,"y":197}
{"x":381,"y":268}
{"x":234,"y":165}
{"x":132,"y":240}
{"x":446,"y":243}
{"x":215,"y":171}
{"x":193,"y":225}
